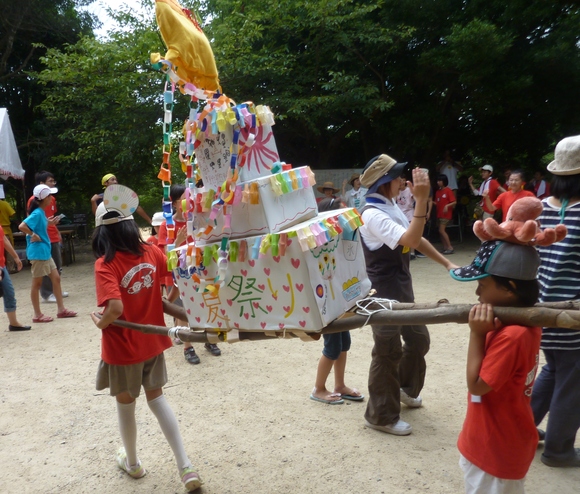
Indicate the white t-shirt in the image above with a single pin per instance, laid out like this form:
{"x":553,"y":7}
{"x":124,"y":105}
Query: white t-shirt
{"x":406,"y":202}
{"x":384,"y":223}
{"x":356,"y":198}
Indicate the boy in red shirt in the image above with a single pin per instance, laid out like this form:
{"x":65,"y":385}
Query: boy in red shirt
{"x":499,"y":437}
{"x":444,"y":202}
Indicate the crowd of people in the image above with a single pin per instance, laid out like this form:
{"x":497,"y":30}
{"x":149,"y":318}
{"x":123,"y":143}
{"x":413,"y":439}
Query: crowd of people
{"x":505,"y":405}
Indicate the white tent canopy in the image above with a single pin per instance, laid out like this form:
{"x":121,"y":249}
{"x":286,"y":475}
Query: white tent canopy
{"x":10,"y":165}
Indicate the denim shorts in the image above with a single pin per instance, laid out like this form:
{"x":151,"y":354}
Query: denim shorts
{"x":335,"y":344}
{"x":9,"y":296}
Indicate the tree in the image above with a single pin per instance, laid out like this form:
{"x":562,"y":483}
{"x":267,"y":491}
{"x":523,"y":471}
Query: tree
{"x":27,"y":28}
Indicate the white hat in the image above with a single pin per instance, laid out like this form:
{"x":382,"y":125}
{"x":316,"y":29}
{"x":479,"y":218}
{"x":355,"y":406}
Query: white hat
{"x":487,"y":168}
{"x":157,"y":219}
{"x":43,"y":191}
{"x":119,"y":200}
{"x":566,"y":157}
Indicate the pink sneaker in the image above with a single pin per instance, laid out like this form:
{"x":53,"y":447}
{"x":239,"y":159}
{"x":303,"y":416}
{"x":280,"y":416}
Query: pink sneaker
{"x":136,"y":472}
{"x":191,"y":479}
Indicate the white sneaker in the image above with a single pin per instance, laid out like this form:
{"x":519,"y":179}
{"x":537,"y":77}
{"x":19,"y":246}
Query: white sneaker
{"x":411,"y":402}
{"x":399,"y":428}
{"x":64,"y":294}
{"x":50,"y":300}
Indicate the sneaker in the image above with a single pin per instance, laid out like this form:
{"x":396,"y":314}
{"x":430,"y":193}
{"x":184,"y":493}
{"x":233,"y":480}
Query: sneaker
{"x":191,"y":479}
{"x":411,"y":402}
{"x":418,"y":255}
{"x":64,"y":294}
{"x":399,"y":428}
{"x":574,"y":461}
{"x":136,"y":472}
{"x":448,"y":252}
{"x":412,"y":257}
{"x":541,"y":435}
{"x":51,"y":299}
{"x":191,"y":356}
{"x":213,"y":349}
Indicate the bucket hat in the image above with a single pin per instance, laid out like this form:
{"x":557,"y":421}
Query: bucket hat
{"x":566,"y":157}
{"x":380,"y":170}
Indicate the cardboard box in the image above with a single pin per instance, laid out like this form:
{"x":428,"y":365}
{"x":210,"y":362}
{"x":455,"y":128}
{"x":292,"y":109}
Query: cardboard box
{"x":272,"y":214}
{"x":303,"y":290}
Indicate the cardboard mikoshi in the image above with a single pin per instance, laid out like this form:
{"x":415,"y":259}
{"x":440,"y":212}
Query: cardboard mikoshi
{"x":215,"y":152}
{"x":304,"y":289}
{"x":274,"y":209}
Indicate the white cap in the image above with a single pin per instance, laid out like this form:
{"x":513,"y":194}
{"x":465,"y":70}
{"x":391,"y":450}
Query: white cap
{"x":487,"y":168}
{"x":157,"y":219}
{"x":43,"y":191}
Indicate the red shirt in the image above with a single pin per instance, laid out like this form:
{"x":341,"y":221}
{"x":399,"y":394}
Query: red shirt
{"x":499,"y":435}
{"x":505,"y":200}
{"x":50,"y":210}
{"x":492,"y":191}
{"x":136,"y":281}
{"x":2,"y":256}
{"x":443,"y":197}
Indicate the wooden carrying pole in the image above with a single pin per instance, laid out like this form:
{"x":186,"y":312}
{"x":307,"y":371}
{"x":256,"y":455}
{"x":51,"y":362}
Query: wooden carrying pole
{"x":558,"y":314}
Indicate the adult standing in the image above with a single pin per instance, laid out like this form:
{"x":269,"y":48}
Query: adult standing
{"x":505,"y":200}
{"x":329,"y":190}
{"x":46,"y":289}
{"x":397,"y":371}
{"x":110,"y":179}
{"x":488,"y":185}
{"x":557,"y":388}
{"x":6,"y":212}
{"x":355,"y":197}
{"x":450,"y":168}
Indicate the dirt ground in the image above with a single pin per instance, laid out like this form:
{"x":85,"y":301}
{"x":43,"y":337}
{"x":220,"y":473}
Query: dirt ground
{"x":245,"y":417}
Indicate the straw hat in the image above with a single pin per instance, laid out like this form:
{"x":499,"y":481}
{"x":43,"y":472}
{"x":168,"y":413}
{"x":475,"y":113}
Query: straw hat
{"x":327,"y":185}
{"x":566,"y":157}
{"x":353,"y":177}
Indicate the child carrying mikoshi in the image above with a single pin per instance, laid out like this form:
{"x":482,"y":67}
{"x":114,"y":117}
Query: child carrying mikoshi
{"x":499,"y":437}
{"x":128,"y":274}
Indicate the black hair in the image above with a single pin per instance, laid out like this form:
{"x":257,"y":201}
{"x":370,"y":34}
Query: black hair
{"x":176,"y":192}
{"x":123,"y":236}
{"x":519,"y":172}
{"x":526,"y":291}
{"x":329,"y":204}
{"x":42,"y":177}
{"x":444,"y":179}
{"x":565,"y":186}
{"x":34,"y":204}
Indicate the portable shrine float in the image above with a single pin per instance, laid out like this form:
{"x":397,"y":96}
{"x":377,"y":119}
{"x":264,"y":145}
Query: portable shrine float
{"x":260,"y":261}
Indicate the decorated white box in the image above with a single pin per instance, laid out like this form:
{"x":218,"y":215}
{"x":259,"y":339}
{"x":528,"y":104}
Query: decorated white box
{"x":304,"y":289}
{"x":273,"y":213}
{"x":214,"y":154}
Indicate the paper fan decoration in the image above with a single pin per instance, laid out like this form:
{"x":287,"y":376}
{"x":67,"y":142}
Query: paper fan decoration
{"x":188,"y":49}
{"x":120,"y":199}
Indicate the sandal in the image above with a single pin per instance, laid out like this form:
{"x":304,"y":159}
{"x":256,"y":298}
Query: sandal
{"x":42,"y":318}
{"x":66,"y":313}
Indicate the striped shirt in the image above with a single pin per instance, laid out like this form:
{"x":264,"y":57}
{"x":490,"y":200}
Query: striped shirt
{"x":560,"y":271}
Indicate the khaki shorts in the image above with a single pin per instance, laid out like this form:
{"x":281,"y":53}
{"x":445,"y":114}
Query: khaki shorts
{"x":151,"y":374}
{"x":42,"y":268}
{"x":442,"y":221}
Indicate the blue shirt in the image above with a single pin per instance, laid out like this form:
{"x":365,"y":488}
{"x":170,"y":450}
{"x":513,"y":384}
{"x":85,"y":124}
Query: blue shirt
{"x":38,"y":223}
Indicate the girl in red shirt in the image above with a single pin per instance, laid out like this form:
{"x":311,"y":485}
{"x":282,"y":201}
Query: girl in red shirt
{"x":444,"y":202}
{"x":128,"y":275}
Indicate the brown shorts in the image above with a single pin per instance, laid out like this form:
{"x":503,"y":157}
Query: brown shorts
{"x":151,"y":374}
{"x":42,"y":268}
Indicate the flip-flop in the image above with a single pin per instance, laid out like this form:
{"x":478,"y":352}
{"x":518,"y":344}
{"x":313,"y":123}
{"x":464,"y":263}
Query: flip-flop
{"x":328,"y":402}
{"x":353,"y":397}
{"x":42,"y":318}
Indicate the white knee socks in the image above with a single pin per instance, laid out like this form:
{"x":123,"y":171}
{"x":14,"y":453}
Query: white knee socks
{"x":128,"y":428}
{"x":170,"y":428}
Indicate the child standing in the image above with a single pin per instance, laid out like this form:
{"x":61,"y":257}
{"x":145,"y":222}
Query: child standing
{"x":334,"y":353}
{"x":499,"y":437}
{"x":128,"y":275}
{"x":38,"y":252}
{"x":445,"y":202}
